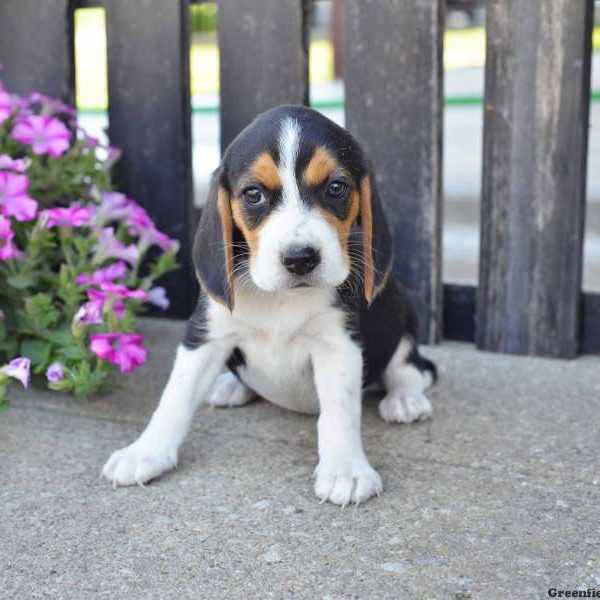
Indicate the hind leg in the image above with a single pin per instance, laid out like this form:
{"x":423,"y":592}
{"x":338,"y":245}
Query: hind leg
{"x":229,"y":391}
{"x":405,"y":379}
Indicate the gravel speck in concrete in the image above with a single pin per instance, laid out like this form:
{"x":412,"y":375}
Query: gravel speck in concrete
{"x":392,"y":567}
{"x":272,"y":555}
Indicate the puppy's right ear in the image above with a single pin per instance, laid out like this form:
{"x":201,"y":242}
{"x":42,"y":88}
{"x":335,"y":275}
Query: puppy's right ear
{"x":378,"y":251}
{"x":213,"y":246}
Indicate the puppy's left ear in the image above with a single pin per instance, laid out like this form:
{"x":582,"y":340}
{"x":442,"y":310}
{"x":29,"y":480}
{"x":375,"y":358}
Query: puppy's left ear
{"x":378,"y":252}
{"x":213,"y":246}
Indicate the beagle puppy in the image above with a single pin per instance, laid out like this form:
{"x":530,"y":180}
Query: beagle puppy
{"x":297,"y":304}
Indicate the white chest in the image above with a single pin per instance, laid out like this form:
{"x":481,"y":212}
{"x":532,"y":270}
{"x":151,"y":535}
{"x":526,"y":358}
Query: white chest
{"x":277,"y":335}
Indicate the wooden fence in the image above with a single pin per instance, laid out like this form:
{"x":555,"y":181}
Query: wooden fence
{"x":529,"y":298}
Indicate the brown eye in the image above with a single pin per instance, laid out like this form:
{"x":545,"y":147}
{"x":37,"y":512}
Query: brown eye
{"x":337,"y":189}
{"x":254,"y":196}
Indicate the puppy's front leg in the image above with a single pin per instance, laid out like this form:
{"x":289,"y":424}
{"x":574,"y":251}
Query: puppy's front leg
{"x":343,"y":474}
{"x":155,"y":451}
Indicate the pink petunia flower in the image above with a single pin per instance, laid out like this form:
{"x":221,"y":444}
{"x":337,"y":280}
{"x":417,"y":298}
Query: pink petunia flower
{"x":6,"y":105}
{"x":105,"y":275}
{"x":114,"y":293}
{"x":88,"y":314}
{"x":7,"y":248}
{"x":18,"y":368}
{"x":71,"y":216}
{"x":45,"y":134}
{"x":110,"y":247}
{"x":139,"y":221}
{"x":55,"y":372}
{"x":158,"y":297}
{"x":117,"y":289}
{"x":140,"y":224}
{"x":7,"y":163}
{"x":122,"y":349}
{"x":14,"y":201}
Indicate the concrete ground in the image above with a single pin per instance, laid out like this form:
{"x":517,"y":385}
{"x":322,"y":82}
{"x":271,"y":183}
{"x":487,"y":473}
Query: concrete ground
{"x":497,"y":497}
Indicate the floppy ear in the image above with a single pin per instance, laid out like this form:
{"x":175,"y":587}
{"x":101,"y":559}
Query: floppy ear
{"x":213,"y":246}
{"x":378,"y":252}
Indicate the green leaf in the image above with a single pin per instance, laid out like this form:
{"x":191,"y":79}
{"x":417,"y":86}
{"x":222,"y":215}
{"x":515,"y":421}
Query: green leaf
{"x":164,"y":264}
{"x":9,"y":347}
{"x":41,"y":310}
{"x":61,"y":337}
{"x":38,"y":352}
{"x":21,"y":281}
{"x":73,"y":352}
{"x":61,"y":386}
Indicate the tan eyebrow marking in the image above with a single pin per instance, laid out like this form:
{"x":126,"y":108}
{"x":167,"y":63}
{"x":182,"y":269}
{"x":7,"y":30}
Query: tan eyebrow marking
{"x":320,"y":167}
{"x":265,"y":171}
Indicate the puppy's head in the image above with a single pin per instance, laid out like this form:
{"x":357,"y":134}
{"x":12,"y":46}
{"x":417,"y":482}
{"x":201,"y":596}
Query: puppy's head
{"x":292,"y":205}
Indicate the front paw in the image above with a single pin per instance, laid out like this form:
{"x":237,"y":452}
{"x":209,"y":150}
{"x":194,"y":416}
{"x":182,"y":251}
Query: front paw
{"x":342,"y":481}
{"x":228,"y":391}
{"x":138,"y":463}
{"x":406,"y":406}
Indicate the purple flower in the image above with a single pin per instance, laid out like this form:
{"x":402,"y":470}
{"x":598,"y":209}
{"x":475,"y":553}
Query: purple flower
{"x":72,"y":216}
{"x":55,"y":372}
{"x":123,"y":349}
{"x":158,"y":297}
{"x":18,"y":368}
{"x":46,"y":135}
{"x":7,"y":248}
{"x":88,"y":314}
{"x":6,"y":105}
{"x":163,"y":241}
{"x":114,"y":207}
{"x":105,"y":275}
{"x":14,"y":201}
{"x":9,"y":164}
{"x":88,"y":140}
{"x":50,"y":105}
{"x":110,"y":247}
{"x":113,"y":154}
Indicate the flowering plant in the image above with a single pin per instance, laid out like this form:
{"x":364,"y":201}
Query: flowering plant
{"x":75,"y":264}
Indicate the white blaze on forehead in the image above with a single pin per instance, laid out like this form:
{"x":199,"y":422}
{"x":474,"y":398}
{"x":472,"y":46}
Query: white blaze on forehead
{"x":294,"y":223}
{"x":289,"y":143}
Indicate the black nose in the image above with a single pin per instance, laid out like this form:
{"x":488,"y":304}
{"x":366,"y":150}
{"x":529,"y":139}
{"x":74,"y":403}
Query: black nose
{"x":300,"y":260}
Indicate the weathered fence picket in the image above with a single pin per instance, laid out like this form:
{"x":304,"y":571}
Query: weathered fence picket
{"x":394,"y":106}
{"x":534,"y":166}
{"x":149,"y":119}
{"x":263,"y":59}
{"x":535,"y":137}
{"x":36,"y":47}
